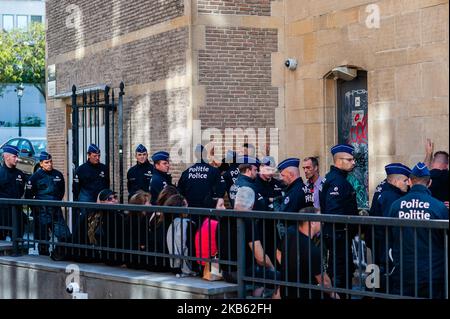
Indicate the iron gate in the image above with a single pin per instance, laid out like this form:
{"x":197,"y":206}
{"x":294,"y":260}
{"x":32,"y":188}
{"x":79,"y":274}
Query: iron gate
{"x":99,"y":120}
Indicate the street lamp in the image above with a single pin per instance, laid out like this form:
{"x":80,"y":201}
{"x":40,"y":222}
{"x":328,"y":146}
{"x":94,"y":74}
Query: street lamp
{"x":19,"y":91}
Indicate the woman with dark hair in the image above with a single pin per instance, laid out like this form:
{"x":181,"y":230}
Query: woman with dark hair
{"x":136,"y":229}
{"x":158,"y":224}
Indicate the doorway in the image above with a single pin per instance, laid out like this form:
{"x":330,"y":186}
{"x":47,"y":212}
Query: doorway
{"x":352,"y":121}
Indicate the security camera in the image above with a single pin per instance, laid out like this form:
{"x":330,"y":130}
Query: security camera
{"x":344,"y":73}
{"x":73,"y":287}
{"x":291,"y":64}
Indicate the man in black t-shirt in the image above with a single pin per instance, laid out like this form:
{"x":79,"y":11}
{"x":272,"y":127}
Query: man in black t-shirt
{"x":257,"y":263}
{"x":301,"y":260}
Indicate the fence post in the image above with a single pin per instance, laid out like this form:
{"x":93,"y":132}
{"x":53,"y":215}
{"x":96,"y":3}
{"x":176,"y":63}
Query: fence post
{"x":106,"y":119}
{"x":75,"y":142}
{"x":240,"y":257}
{"x":14,"y":235}
{"x":121,"y":172}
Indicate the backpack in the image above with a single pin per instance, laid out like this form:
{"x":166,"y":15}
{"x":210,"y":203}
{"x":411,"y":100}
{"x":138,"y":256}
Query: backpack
{"x":178,"y":243}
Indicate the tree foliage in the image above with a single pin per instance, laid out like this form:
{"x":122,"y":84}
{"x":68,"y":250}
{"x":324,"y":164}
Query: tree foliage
{"x":22,"y":57}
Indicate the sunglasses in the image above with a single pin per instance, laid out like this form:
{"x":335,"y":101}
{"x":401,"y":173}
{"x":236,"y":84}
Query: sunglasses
{"x":111,"y":197}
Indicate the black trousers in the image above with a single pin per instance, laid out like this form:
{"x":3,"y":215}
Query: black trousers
{"x":340,"y":262}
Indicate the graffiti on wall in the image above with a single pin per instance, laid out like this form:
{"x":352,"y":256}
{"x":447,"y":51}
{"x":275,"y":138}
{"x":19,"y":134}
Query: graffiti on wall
{"x":353,"y":130}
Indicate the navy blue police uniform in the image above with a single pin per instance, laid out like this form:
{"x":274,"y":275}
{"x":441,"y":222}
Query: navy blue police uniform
{"x":139,"y":175}
{"x":159,"y":179}
{"x":419,"y":204}
{"x":270,"y":189}
{"x":378,"y":190}
{"x":201,"y":182}
{"x":380,"y":208}
{"x":90,"y":179}
{"x":296,"y":195}
{"x":338,"y":197}
{"x":245,"y":181}
{"x":47,"y":185}
{"x":12,"y":185}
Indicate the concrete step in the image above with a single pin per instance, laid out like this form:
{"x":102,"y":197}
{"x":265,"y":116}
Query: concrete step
{"x":40,"y":277}
{"x":5,"y":246}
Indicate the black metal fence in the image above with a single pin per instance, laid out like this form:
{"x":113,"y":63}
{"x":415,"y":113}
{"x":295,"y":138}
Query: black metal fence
{"x":292,"y":255}
{"x":94,"y":120}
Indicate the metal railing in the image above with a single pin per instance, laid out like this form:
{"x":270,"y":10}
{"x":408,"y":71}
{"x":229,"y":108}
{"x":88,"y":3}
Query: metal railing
{"x":302,"y":261}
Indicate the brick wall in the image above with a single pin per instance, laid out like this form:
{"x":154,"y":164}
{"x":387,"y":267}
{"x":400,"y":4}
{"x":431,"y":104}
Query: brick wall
{"x":154,"y":120}
{"x":150,"y":59}
{"x":235,"y":68}
{"x":56,"y":140}
{"x":100,"y":20}
{"x":237,"y":7}
{"x":167,"y":117}
{"x":407,"y":63}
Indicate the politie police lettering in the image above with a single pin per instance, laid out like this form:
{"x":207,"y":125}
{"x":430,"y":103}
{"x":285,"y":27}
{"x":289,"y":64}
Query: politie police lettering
{"x":414,"y":209}
{"x":234,"y":175}
{"x":199,"y":172}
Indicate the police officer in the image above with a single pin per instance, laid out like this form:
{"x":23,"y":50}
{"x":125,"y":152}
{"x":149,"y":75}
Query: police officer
{"x":338,"y":197}
{"x":90,"y":178}
{"x":161,"y":177}
{"x":201,"y":183}
{"x":414,"y":254}
{"x":297,"y":195}
{"x":271,"y":190}
{"x":248,"y":171}
{"x":396,"y":186}
{"x":12,"y":182}
{"x":140,"y":174}
{"x":231,"y":174}
{"x":47,"y":183}
{"x":269,"y":187}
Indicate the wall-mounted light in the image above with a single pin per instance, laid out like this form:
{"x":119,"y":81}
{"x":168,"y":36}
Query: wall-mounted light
{"x":344,"y":73}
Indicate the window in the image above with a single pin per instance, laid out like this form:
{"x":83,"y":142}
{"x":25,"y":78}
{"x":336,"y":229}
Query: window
{"x":24,"y":145}
{"x":39,"y":145}
{"x":13,"y":142}
{"x":8,"y":22}
{"x":36,"y":19}
{"x":22,"y":22}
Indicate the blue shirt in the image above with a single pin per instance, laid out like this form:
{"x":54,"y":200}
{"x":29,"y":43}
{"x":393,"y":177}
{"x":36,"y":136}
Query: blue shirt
{"x":418,"y":204}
